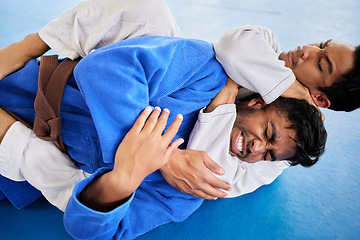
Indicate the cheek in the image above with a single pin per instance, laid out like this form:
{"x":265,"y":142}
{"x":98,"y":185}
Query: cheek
{"x":301,"y":73}
{"x":306,"y":76}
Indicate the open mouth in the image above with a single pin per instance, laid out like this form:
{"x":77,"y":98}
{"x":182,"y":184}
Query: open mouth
{"x":240,"y":143}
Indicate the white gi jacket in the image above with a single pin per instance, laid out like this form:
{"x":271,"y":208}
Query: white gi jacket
{"x":211,"y":134}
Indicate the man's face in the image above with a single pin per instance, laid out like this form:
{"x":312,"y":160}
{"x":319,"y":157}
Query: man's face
{"x":260,"y":134}
{"x":319,"y":64}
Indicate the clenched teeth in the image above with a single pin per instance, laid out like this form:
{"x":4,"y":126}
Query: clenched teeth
{"x":240,"y":143}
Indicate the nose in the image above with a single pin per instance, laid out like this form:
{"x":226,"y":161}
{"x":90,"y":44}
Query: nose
{"x":258,"y":147}
{"x":310,"y":51}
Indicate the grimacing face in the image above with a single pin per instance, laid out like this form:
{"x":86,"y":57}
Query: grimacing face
{"x":260,"y":134}
{"x":318,"y":65}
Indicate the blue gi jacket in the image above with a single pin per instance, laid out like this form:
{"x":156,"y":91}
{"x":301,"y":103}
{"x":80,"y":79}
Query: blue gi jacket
{"x":116,"y":83}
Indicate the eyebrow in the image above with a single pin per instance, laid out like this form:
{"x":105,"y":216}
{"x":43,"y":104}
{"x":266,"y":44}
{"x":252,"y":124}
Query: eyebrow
{"x":327,"y":58}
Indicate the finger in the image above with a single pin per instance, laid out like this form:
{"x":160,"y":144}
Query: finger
{"x":162,"y":121}
{"x":205,"y":191}
{"x":173,"y":129}
{"x":213,"y":166}
{"x":140,"y":121}
{"x":201,"y":194}
{"x":152,"y":120}
{"x":217,"y":183}
{"x":185,"y":188}
{"x":212,"y":179}
{"x":212,"y":192}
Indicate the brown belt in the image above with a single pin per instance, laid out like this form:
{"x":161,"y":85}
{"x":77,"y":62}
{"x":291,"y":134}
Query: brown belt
{"x":52,"y":80}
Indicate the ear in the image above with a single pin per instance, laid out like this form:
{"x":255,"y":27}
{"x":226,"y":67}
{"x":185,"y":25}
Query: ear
{"x":256,"y":103}
{"x":321,"y":100}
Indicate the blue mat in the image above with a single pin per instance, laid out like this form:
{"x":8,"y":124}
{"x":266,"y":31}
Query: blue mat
{"x":322,"y":202}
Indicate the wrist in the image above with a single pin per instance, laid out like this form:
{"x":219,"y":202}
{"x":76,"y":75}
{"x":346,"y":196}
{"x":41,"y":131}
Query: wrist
{"x":104,"y":193}
{"x":173,"y":158}
{"x":119,"y":185}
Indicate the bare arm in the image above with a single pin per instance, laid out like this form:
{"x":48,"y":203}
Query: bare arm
{"x":5,"y":123}
{"x":299,"y":91}
{"x":227,"y":95}
{"x":16,"y":55}
{"x":143,"y":150}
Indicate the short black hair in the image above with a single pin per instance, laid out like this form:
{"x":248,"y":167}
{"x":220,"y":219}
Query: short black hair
{"x":344,"y":95}
{"x":311,"y":134}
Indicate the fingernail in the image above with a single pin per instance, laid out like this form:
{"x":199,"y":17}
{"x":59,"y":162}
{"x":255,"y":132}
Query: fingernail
{"x":180,"y":116}
{"x":215,"y":198}
{"x":148,"y":108}
{"x":166,"y":110}
{"x":222,"y":171}
{"x":158,"y":108}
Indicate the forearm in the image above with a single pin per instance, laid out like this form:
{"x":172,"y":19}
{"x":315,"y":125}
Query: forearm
{"x":227,"y":95}
{"x":106,"y":193}
{"x":33,"y":46}
{"x":5,"y":123}
{"x":16,"y":55}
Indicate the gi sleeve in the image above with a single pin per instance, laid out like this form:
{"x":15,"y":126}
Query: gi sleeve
{"x":93,"y":24}
{"x":154,"y":203}
{"x":249,"y":55}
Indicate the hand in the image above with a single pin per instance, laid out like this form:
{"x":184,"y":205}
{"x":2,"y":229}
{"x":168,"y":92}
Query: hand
{"x":143,"y":150}
{"x":188,"y":171}
{"x":16,"y":55}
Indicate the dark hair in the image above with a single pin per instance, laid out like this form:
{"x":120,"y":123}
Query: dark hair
{"x":344,"y":95}
{"x":310,"y":131}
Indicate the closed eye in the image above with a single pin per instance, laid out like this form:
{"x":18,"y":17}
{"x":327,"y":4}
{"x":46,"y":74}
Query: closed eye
{"x":270,"y":136}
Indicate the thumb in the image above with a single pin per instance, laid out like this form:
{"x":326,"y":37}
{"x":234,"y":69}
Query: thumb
{"x":172,"y":147}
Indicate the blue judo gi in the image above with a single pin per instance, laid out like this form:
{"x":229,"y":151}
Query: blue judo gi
{"x":101,"y":101}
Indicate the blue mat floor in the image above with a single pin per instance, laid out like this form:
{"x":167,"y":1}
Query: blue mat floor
{"x":322,"y":202}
